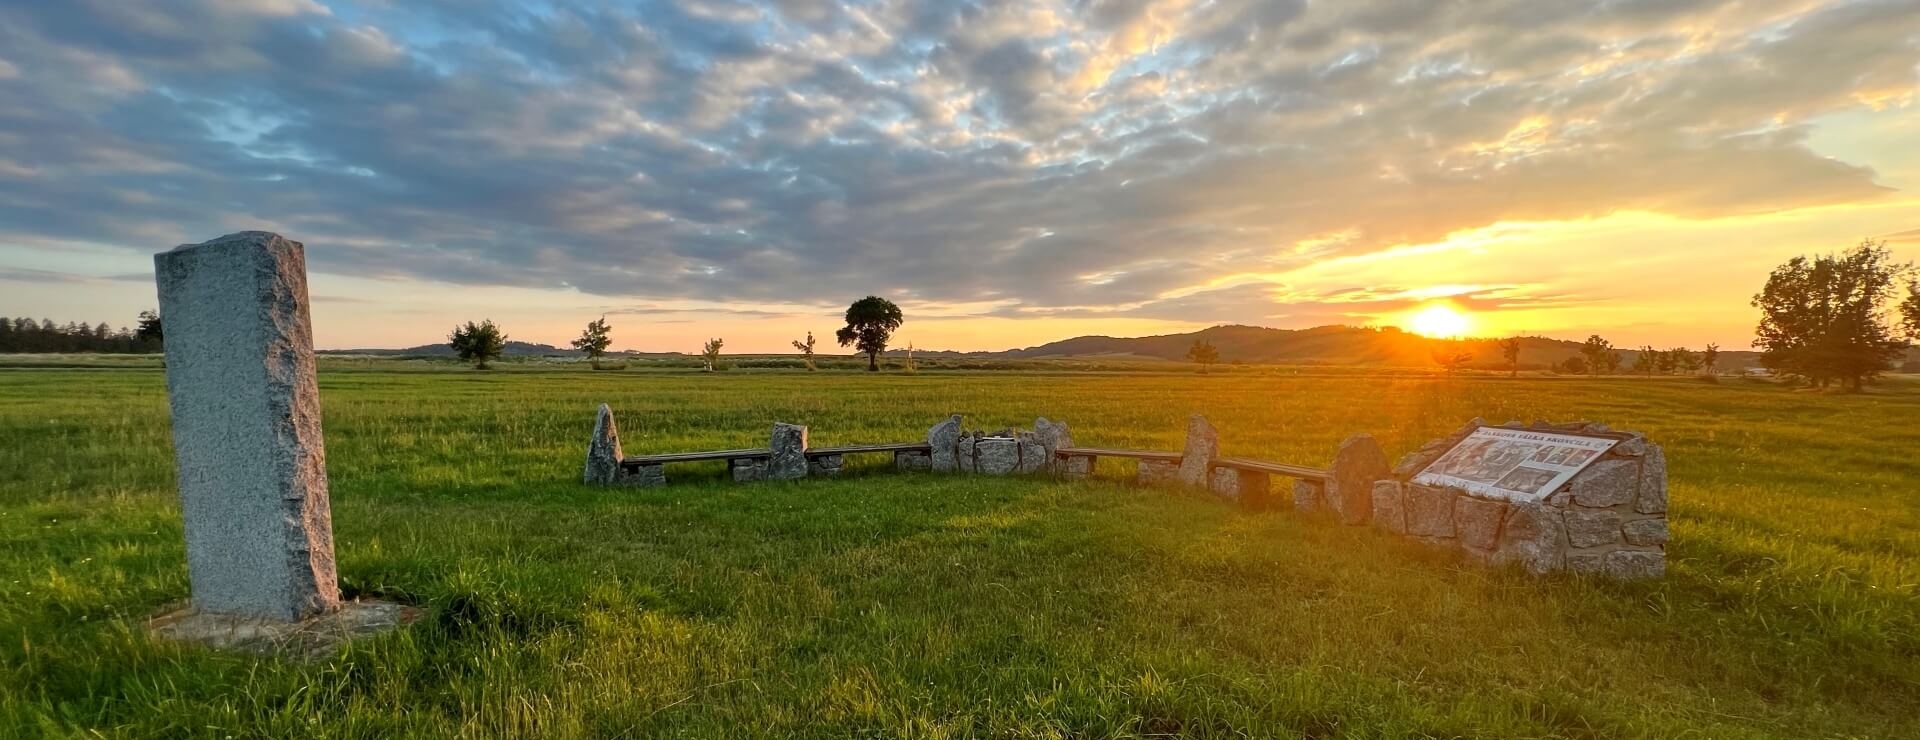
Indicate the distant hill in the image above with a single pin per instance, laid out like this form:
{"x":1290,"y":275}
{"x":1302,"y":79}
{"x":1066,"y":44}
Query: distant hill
{"x":512,"y":349}
{"x":1254,"y":345}
{"x":1331,"y":345}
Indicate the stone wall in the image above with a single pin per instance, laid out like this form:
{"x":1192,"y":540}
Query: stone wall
{"x":1611,"y":519}
{"x":1003,"y":452}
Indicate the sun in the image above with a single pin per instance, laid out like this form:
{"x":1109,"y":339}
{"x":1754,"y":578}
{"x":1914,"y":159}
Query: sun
{"x":1441,"y":321}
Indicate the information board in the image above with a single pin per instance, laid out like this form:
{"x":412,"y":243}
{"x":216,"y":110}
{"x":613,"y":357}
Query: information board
{"x":1514,"y":464}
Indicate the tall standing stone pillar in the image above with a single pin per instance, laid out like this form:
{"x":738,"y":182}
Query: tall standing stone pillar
{"x":246,"y":427}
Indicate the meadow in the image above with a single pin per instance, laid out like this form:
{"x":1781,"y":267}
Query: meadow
{"x":921,"y":606}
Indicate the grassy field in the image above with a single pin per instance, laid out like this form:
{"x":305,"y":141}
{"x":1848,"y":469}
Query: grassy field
{"x":884,"y":605}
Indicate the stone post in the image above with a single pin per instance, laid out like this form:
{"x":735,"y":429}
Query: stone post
{"x":603,"y":451}
{"x":246,"y":427}
{"x":789,"y":445}
{"x":944,"y":438}
{"x":1203,"y":447}
{"x":1356,"y":467}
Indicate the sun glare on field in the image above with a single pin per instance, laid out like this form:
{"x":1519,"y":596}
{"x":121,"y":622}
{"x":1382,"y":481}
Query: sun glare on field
{"x":1440,"y":320}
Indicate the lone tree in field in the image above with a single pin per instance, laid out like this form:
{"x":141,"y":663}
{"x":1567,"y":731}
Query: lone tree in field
{"x":1510,"y":349}
{"x":710,"y":355}
{"x":1451,"y":359}
{"x":149,"y":329}
{"x":1825,"y":319}
{"x":1204,"y":353}
{"x":595,"y":340}
{"x":1597,"y":355}
{"x":1710,"y":360}
{"x":806,"y":351}
{"x":478,"y":343}
{"x":870,"y":323}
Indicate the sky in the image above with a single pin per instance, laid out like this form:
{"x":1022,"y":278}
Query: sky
{"x":1010,"y":173}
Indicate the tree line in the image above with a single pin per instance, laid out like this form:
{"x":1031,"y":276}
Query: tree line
{"x":23,"y":335}
{"x":1838,"y":319}
{"x":871,"y":322}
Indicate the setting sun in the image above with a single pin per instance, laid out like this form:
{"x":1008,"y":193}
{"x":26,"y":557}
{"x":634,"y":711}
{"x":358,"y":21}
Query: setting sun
{"x":1440,"y":320}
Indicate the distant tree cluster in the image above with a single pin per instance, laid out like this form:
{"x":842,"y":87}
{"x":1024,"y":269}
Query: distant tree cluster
{"x":26,"y":335}
{"x":1828,"y":320}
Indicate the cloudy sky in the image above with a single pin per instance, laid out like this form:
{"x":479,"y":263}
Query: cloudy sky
{"x":1009,"y":172}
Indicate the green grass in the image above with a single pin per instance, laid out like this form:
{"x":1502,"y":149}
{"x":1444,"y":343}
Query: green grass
{"x":886,"y":605}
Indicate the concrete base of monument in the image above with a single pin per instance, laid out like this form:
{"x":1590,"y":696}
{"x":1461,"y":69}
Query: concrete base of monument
{"x":310,"y":639}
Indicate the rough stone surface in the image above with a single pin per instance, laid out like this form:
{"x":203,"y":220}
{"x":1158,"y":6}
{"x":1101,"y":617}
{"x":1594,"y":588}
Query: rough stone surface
{"x":648,"y":476}
{"x":1035,"y":456}
{"x":1225,"y":483}
{"x":1054,"y":436}
{"x":1587,"y":562}
{"x":789,"y":445}
{"x":1533,"y":536}
{"x":1156,"y":472}
{"x":246,"y":427}
{"x":1203,"y":447}
{"x":944,"y":437}
{"x":1477,"y":521}
{"x":1389,"y":506}
{"x":912,"y":461}
{"x":964,"y":453}
{"x":1630,"y":565}
{"x":1653,"y":482}
{"x":825,"y":466}
{"x":745,"y":469}
{"x":1308,"y":495}
{"x":603,"y":452}
{"x":1429,"y":511}
{"x":311,"y":638}
{"x":1607,"y":483}
{"x":997,"y":455}
{"x":1356,"y":467}
{"x":1645,"y":532}
{"x":1078,"y":466}
{"x":1592,"y":528}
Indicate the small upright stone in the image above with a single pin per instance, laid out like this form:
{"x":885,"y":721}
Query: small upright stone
{"x":789,"y":446}
{"x":1203,"y":447}
{"x":246,"y":427}
{"x":1055,"y":436}
{"x":944,"y":438}
{"x":603,"y":452}
{"x":965,"y":454}
{"x":1356,"y":467}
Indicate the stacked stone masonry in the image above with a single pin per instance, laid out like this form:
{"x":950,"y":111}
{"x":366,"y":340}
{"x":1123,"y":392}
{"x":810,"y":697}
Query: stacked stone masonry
{"x":1609,"y":520}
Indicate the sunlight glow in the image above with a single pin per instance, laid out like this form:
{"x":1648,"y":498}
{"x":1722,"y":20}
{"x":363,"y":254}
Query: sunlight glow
{"x":1441,"y":321}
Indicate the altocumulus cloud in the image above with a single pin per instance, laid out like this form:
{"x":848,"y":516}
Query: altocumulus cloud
{"x":1038,"y":158}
